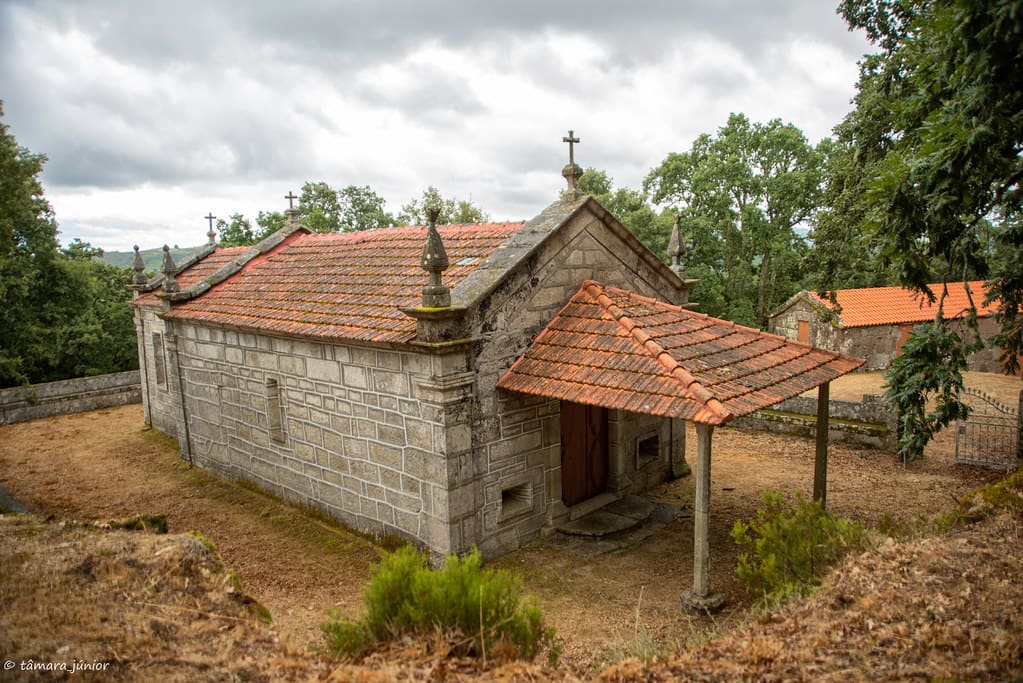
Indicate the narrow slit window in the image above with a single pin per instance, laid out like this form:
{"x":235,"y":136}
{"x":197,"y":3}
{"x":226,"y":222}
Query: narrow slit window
{"x":274,"y":411}
{"x":158,"y":360}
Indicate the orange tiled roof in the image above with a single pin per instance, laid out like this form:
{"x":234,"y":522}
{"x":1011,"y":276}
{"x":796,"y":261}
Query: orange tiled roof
{"x":193,"y":274}
{"x":341,"y":286}
{"x":616,"y":349}
{"x":892,"y":305}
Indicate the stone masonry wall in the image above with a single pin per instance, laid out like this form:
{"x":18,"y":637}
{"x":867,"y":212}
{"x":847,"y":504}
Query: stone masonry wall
{"x":517,"y":438}
{"x":159,"y":397}
{"x":20,"y":404}
{"x":871,"y":422}
{"x":353,"y":431}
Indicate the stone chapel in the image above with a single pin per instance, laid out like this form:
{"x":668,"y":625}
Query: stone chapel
{"x":456,"y":385}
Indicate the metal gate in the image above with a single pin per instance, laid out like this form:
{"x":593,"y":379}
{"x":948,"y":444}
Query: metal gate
{"x":991,"y":434}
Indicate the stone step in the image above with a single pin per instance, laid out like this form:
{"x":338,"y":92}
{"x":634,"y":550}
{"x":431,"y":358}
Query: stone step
{"x":616,"y":516}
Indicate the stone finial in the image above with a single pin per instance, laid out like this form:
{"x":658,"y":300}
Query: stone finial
{"x":211,"y":234}
{"x":170,"y":269}
{"x":435,"y":262}
{"x":572,"y":171}
{"x":677,"y":249}
{"x":139,"y":266}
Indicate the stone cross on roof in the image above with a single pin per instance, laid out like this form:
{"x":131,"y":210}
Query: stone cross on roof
{"x":211,"y":234}
{"x":572,"y":171}
{"x":571,"y":140}
{"x":291,"y":213}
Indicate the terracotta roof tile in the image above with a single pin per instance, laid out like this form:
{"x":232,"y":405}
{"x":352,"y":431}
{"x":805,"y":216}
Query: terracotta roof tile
{"x":617,"y":349}
{"x":340,"y":286}
{"x":207,"y":266}
{"x":893,"y":305}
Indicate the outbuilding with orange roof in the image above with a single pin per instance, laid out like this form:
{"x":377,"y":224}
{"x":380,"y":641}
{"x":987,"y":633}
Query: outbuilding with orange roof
{"x":874,"y":322}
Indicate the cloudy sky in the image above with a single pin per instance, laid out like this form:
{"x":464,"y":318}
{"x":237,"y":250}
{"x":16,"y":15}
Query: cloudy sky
{"x":154,"y":113}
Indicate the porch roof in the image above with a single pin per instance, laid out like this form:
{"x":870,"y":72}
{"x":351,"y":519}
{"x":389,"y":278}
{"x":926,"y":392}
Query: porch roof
{"x":617,"y":349}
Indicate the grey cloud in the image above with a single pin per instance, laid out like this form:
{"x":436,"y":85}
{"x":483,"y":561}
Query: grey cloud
{"x":347,"y":34}
{"x":432,"y":92}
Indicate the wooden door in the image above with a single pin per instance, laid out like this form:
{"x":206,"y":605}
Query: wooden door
{"x":584,"y":463}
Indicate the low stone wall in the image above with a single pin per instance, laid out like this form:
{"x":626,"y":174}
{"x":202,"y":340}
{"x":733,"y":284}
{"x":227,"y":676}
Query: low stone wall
{"x":870,"y":422}
{"x":20,"y":404}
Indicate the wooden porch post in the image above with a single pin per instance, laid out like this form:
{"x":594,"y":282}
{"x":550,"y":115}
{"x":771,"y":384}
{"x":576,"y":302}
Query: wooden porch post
{"x":700,"y":599}
{"x":820,"y":463}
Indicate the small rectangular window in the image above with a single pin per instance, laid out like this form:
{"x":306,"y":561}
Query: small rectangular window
{"x":274,"y":411}
{"x":648,"y":448}
{"x":516,"y":500}
{"x":158,"y":359}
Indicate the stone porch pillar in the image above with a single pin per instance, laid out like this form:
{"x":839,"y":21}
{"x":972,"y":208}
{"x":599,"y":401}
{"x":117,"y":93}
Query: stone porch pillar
{"x":700,"y":598}
{"x":820,"y":462}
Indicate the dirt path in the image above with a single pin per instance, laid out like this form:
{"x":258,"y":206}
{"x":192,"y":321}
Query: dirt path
{"x":105,"y":465}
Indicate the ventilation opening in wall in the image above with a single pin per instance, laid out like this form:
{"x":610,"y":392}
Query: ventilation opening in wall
{"x":274,"y":411}
{"x":648,"y":448}
{"x":516,"y":500}
{"x":158,"y":360}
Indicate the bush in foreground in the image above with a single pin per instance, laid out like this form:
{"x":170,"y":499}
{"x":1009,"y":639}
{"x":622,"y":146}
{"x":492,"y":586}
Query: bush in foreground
{"x":786,"y":549}
{"x":484,"y":607}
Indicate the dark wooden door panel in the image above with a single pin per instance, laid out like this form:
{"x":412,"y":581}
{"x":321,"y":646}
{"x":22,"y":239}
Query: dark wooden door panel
{"x":584,"y":465}
{"x":596,"y":446}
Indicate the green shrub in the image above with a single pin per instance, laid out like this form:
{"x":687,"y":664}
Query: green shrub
{"x":786,"y":549}
{"x":406,"y":597}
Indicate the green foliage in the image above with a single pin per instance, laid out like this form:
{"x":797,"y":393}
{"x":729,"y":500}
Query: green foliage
{"x":632,"y":209}
{"x":236,"y":233}
{"x":785,"y":550}
{"x":319,"y":207}
{"x":935,"y":142}
{"x":844,"y":255}
{"x":65,"y":314}
{"x":325,"y":209}
{"x":406,"y":597}
{"x":269,"y":222}
{"x":740,"y":196}
{"x":362,"y":209}
{"x":928,"y":371}
{"x":452,"y":211}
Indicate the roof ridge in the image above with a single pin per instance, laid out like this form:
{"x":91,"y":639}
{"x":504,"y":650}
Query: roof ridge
{"x":660,"y":355}
{"x":235,"y":265}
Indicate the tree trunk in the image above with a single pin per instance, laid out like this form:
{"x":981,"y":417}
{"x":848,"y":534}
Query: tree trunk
{"x":765,"y":268}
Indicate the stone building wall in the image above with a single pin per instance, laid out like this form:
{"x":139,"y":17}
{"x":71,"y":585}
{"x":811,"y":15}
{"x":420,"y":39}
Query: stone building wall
{"x":517,"y":438}
{"x":879,"y":345}
{"x":353,"y":431}
{"x":415,"y":441}
{"x":823,"y":331}
{"x":159,"y":397}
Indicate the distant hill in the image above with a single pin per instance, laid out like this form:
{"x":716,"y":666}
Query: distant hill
{"x":151,"y":257}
